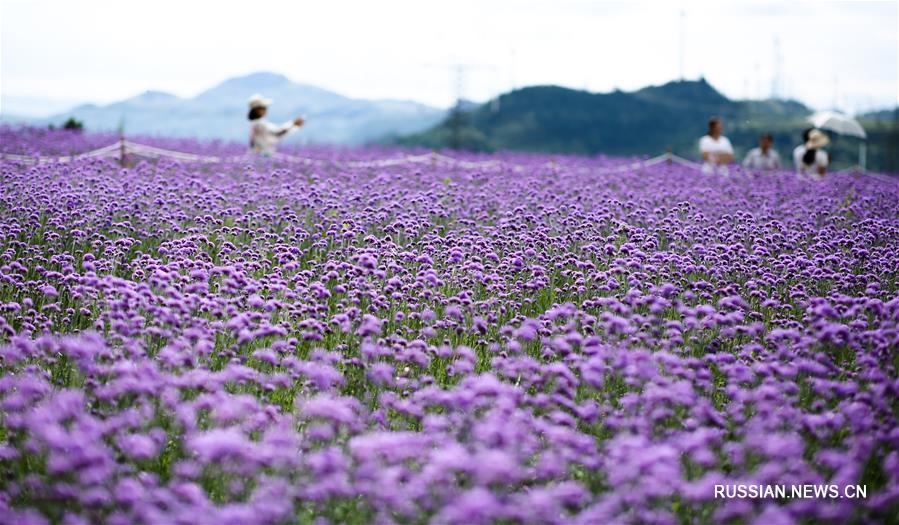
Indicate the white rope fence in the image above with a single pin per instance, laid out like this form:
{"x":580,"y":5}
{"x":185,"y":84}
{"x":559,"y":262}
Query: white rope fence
{"x":123,"y":147}
{"x":105,"y":151}
{"x":126,"y":147}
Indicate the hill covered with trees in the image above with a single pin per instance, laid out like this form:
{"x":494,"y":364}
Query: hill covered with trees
{"x":554,"y":119}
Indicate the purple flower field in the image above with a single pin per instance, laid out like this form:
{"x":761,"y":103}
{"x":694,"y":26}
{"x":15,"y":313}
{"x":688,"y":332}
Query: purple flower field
{"x":264,"y":343}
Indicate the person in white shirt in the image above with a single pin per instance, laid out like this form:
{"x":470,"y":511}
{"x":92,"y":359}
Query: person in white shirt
{"x":762,"y":158}
{"x":715,"y":148}
{"x":809,"y":158}
{"x":263,"y":134}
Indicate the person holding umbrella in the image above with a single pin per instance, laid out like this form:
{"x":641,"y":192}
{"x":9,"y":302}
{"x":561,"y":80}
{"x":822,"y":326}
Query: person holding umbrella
{"x":843,"y":124}
{"x":264,"y":134}
{"x":808,"y":157}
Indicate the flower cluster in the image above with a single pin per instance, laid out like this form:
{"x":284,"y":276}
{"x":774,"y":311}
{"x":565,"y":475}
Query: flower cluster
{"x":250,"y":342}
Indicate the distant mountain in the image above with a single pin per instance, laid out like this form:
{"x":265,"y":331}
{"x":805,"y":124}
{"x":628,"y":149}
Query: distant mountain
{"x":220,"y":113}
{"x":882,"y":115}
{"x":558,"y":119}
{"x":644,"y":122}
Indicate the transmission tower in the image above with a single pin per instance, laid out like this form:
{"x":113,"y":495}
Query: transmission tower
{"x":776,"y":79}
{"x":682,"y":39}
{"x":458,"y":117}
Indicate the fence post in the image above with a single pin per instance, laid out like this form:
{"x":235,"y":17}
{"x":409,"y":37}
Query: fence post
{"x":863,"y":156}
{"x":669,"y":154}
{"x":122,"y":150}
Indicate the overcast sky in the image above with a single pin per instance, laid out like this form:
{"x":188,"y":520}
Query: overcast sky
{"x":66,"y":51}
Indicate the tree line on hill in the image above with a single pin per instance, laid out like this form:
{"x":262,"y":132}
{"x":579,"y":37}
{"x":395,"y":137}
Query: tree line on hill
{"x":649,"y":121}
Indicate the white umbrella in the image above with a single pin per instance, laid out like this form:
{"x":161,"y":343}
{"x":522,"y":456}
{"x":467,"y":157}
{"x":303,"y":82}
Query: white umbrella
{"x":838,"y":123}
{"x":843,"y":125}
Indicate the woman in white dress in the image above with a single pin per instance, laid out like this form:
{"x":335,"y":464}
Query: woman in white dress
{"x":264,"y":134}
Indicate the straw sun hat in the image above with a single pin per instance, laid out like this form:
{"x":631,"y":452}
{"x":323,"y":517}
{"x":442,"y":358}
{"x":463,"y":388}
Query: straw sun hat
{"x":816,"y":139}
{"x":258,"y":101}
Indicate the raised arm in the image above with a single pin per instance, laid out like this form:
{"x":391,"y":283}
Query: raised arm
{"x":279,"y":130}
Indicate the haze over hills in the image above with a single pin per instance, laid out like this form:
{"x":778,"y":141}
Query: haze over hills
{"x":644,"y":122}
{"x":220,"y":113}
{"x":537,"y":118}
